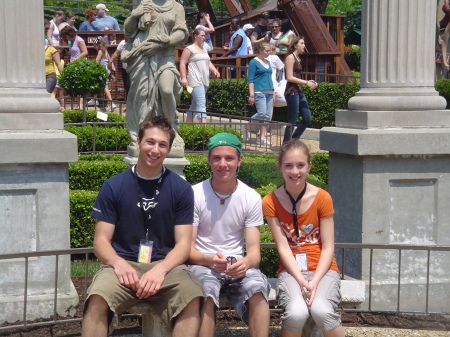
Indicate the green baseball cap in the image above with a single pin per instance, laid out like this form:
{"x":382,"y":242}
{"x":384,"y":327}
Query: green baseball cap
{"x":224,"y":138}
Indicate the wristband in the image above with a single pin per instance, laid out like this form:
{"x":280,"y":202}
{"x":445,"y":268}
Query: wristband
{"x":251,"y":96}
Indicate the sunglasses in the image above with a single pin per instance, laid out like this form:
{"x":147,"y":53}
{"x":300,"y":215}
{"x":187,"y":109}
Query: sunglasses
{"x":275,"y":27}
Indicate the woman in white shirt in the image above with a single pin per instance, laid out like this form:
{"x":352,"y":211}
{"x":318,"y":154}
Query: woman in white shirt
{"x":195,"y":66}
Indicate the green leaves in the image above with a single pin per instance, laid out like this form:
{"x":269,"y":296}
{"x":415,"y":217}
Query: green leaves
{"x":82,"y":77}
{"x":443,"y":87}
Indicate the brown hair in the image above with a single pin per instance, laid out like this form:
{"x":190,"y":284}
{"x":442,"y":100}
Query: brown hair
{"x":67,"y":32}
{"x":159,"y":122}
{"x":293,"y":44}
{"x":58,"y":12}
{"x":293,"y":145}
{"x":200,"y":16}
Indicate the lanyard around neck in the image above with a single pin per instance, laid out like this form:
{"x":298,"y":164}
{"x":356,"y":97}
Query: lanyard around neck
{"x":294,"y":207}
{"x":155,"y":197}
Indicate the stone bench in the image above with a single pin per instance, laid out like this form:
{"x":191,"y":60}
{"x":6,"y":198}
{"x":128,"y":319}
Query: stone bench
{"x":352,"y":292}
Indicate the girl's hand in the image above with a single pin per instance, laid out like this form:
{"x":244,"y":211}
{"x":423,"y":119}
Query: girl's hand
{"x":184,"y":82}
{"x":251,"y":100}
{"x":217,"y":74}
{"x":310,"y":293}
{"x":312,"y":84}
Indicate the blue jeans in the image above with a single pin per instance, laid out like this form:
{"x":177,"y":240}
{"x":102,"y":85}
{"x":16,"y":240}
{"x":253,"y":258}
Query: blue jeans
{"x":263,"y":104}
{"x":296,"y":103}
{"x":198,"y":101}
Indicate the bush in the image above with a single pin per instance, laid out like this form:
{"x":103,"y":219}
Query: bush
{"x":323,"y":101}
{"x":269,"y":256}
{"x":196,"y":136}
{"x":443,"y":87}
{"x":83,"y":76}
{"x":76,"y":116}
{"x":106,"y":138}
{"x":89,"y":175}
{"x":352,"y":56}
{"x":82,"y":225}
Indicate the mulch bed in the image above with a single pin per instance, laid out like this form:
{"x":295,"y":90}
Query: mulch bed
{"x":227,"y":319}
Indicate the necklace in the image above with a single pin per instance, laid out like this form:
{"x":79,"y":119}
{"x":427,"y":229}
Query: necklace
{"x":294,"y":207}
{"x":222,"y":200}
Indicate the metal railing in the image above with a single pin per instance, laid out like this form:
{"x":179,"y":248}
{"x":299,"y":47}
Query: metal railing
{"x":238,"y":124}
{"x":340,"y":247}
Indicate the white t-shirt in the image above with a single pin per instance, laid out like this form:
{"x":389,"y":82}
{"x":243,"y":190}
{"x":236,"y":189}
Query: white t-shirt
{"x":276,"y":64}
{"x":120,"y":47}
{"x":221,"y":227}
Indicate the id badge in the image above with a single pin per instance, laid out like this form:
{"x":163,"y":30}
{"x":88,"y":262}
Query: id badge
{"x":145,"y":251}
{"x":302,"y":261}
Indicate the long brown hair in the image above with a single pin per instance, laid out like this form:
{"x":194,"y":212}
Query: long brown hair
{"x":294,"y":42}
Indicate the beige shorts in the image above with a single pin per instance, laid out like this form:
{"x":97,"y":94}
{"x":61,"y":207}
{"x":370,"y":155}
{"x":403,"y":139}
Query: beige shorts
{"x":179,"y":288}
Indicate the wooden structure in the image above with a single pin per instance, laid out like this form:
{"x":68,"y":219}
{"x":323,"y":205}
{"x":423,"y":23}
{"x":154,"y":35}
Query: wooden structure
{"x":324,"y":34}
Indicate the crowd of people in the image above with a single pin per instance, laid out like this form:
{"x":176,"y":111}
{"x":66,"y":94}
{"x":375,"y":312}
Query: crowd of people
{"x":264,"y":39}
{"x":61,"y":31}
{"x":180,"y":247}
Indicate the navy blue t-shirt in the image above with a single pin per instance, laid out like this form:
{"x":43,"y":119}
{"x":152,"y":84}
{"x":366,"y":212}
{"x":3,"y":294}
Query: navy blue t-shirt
{"x":118,"y":203}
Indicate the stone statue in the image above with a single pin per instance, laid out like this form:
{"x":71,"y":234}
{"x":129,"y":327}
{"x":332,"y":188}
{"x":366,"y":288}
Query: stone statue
{"x":153,"y":30}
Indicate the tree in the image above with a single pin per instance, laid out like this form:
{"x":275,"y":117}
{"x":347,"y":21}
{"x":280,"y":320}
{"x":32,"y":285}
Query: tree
{"x":83,"y":76}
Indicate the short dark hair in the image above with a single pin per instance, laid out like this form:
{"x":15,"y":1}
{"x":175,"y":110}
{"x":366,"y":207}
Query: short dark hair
{"x":159,"y":122}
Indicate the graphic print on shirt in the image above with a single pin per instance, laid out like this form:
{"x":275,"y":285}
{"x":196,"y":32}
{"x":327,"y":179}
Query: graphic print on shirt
{"x":309,"y":233}
{"x":148,"y":203}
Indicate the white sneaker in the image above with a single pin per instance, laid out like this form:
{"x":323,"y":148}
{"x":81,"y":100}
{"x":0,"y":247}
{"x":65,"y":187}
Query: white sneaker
{"x":263,"y":141}
{"x":113,"y":106}
{"x":244,"y":133}
{"x":92,"y":102}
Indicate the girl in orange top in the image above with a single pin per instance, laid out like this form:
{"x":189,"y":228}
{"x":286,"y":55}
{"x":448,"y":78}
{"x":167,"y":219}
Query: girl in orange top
{"x":300,"y":217}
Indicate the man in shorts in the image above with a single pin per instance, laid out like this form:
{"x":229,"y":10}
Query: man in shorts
{"x":225,"y":211}
{"x":143,"y":236}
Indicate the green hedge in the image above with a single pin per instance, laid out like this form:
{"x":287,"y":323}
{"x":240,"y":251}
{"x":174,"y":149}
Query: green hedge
{"x":196,"y":137}
{"x":259,"y":171}
{"x":226,"y":96}
{"x":230,"y":97}
{"x":82,"y":225}
{"x":76,"y":116}
{"x":443,"y":88}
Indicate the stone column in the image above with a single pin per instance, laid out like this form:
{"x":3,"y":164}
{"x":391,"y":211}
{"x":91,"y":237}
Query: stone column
{"x":34,"y":153}
{"x":390,"y":157}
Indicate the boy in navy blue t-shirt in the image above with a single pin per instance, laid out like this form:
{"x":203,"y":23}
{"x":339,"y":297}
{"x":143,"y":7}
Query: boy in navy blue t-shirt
{"x":144,"y":214}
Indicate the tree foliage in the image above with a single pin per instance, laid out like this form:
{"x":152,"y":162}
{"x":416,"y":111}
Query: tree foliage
{"x":83,"y":76}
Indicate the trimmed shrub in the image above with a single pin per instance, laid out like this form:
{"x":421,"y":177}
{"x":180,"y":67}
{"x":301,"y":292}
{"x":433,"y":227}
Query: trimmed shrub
{"x":352,"y":56}
{"x":196,"y":136}
{"x":90,"y":175}
{"x":443,"y":88}
{"x":83,"y":76}
{"x":269,"y":256}
{"x":106,"y":138}
{"x":76,"y":116}
{"x":82,"y":225}
{"x":325,"y":99}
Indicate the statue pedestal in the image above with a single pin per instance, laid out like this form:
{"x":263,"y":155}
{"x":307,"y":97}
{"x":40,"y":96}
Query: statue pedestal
{"x":390,"y":187}
{"x":34,"y":208}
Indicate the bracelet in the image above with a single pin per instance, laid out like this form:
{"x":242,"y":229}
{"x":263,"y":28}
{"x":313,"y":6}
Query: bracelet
{"x":251,"y":96}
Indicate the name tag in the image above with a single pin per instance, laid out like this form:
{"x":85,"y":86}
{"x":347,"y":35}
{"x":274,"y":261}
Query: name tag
{"x":145,"y":251}
{"x":302,"y":261}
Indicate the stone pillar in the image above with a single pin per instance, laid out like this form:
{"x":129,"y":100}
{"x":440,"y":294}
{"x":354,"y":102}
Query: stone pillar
{"x":34,"y":184}
{"x":390,"y":157}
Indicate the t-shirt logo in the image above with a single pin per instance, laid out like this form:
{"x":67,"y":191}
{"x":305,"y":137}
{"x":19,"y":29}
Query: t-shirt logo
{"x":147,"y":203}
